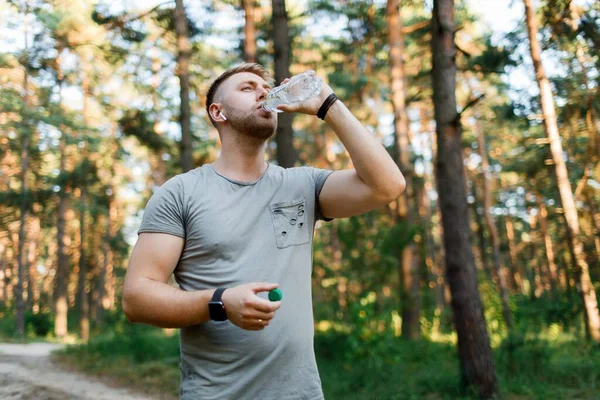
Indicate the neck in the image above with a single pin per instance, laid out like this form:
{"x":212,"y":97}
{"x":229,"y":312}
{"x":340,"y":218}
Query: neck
{"x":242,"y":157}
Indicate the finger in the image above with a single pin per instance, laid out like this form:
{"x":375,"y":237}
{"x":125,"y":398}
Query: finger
{"x":258,"y":315}
{"x":255,"y":325}
{"x":288,"y":107}
{"x":258,"y":287}
{"x":265,"y":306}
{"x":285,"y":80}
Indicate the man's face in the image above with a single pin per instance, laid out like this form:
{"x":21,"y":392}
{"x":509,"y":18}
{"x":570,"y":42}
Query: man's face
{"x":241,"y":96}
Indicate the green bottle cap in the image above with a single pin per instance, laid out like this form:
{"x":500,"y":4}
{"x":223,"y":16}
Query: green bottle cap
{"x":275,"y":295}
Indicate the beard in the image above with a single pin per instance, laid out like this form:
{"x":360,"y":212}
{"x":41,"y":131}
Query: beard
{"x":252,"y":125}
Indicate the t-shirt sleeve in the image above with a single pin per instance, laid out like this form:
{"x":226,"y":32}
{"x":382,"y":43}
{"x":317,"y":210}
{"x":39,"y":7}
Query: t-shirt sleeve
{"x":319,"y":177}
{"x":164,"y":212}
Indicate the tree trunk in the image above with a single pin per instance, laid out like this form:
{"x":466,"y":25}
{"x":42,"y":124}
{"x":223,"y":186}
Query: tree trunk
{"x":22,"y":252}
{"x":475,"y":353}
{"x":435,"y":273}
{"x":409,"y":260}
{"x":548,"y":246}
{"x":33,"y":292}
{"x":480,"y":234}
{"x":24,"y":211}
{"x":535,"y":281}
{"x":108,"y":300}
{"x":434,"y":255}
{"x":518,"y":274}
{"x":3,"y":277}
{"x":159,"y":170}
{"x":249,"y":31}
{"x":501,"y":270}
{"x":596,"y":229}
{"x":84,"y":305}
{"x":588,"y":295}
{"x":61,"y":306}
{"x":182,"y":71}
{"x":286,"y":154}
{"x":103,"y":266}
{"x":443,"y":295}
{"x":62,"y":270}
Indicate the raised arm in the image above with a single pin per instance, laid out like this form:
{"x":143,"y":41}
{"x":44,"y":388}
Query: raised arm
{"x":149,"y":299}
{"x":375,"y":180}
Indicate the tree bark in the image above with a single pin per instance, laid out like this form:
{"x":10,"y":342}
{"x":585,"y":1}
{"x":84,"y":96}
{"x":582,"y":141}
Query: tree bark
{"x":286,"y":154}
{"x":33,"y":292}
{"x":548,"y":246}
{"x":62,"y":270}
{"x":518,"y":274}
{"x":475,"y":353}
{"x":84,"y":305}
{"x":24,"y":210}
{"x":409,"y":261}
{"x":501,"y":270}
{"x":480,"y":234}
{"x":249,"y":31}
{"x":435,"y":273}
{"x":183,"y":73}
{"x":159,"y":170}
{"x":595,"y":216}
{"x":535,"y":280}
{"x":588,"y":294}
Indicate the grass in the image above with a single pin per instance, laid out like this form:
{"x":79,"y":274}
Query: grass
{"x":139,"y":357}
{"x":527,"y":368}
{"x":556,"y":366}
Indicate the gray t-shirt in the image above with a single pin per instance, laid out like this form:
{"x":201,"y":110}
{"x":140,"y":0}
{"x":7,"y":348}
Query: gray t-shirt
{"x":235,"y":233}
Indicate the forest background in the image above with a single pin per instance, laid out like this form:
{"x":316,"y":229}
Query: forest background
{"x":480,"y":280}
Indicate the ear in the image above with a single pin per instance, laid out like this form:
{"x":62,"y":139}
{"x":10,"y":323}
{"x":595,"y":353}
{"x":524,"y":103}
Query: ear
{"x":216,"y":113}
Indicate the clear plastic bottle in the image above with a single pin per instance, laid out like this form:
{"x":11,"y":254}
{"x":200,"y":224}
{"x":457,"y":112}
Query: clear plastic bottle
{"x":299,"y":88}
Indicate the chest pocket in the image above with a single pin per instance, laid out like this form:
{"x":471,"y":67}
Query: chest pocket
{"x":290,"y":222}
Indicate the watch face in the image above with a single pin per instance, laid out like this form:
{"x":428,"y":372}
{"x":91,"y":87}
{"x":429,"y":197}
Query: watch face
{"x":217,"y":311}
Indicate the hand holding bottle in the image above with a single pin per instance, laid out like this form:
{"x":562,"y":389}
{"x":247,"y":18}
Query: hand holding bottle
{"x":303,"y":93}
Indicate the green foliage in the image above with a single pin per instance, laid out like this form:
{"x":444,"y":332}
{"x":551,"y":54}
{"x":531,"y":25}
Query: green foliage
{"x":553,"y":365}
{"x":7,"y":322}
{"x":133,"y":355}
{"x":136,"y":123}
{"x":493,"y":59}
{"x":125,"y":26}
{"x":40,"y":324}
{"x":550,"y":309}
{"x":37,"y":325}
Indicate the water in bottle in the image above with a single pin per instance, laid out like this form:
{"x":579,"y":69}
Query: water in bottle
{"x":299,"y":88}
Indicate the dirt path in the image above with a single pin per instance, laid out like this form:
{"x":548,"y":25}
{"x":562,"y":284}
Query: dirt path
{"x":27,"y":372}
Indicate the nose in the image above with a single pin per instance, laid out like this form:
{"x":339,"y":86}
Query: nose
{"x":262,"y":93}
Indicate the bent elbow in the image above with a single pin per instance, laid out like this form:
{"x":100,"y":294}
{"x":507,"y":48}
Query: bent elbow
{"x":398,"y":187}
{"x":128,"y":309}
{"x":393,"y":190}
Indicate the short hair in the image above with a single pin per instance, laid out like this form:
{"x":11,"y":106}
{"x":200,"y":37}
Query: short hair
{"x":253,"y":68}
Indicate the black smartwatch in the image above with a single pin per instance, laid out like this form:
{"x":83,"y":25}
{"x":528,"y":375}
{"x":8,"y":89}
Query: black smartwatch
{"x":216,"y":308}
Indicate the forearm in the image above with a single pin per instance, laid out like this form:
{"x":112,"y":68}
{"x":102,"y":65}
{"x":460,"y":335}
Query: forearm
{"x":371,"y":161}
{"x":159,"y":304}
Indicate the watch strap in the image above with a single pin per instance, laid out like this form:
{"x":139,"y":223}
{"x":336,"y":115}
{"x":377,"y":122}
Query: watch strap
{"x":217,"y":294}
{"x":216,"y":308}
